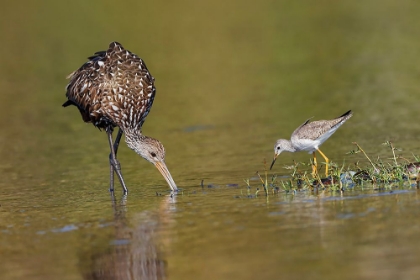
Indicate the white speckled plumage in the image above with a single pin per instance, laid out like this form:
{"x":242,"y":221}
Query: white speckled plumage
{"x":115,"y":89}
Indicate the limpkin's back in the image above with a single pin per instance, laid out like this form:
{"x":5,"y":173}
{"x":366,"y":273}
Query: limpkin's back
{"x":113,"y":88}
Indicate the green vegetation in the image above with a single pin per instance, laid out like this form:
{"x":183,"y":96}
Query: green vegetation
{"x":396,"y":171}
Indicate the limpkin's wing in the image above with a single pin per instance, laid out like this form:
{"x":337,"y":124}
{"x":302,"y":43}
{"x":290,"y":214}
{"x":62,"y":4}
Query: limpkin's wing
{"x":113,"y":87}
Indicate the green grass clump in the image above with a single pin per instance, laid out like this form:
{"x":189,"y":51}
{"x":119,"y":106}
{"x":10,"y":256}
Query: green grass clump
{"x":379,"y":173}
{"x":396,"y":169}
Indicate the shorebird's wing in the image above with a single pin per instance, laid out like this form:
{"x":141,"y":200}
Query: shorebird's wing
{"x":321,"y":130}
{"x":296,"y":132}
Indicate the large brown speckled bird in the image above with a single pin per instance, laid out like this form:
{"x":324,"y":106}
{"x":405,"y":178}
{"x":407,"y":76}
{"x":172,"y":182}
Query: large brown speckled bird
{"x":115,"y":89}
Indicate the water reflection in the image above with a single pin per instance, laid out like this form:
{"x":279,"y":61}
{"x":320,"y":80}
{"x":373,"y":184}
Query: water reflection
{"x":226,"y":89}
{"x":135,"y":252}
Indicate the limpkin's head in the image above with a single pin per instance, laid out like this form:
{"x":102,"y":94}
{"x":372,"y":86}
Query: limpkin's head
{"x":278,"y":148}
{"x":153,"y":151}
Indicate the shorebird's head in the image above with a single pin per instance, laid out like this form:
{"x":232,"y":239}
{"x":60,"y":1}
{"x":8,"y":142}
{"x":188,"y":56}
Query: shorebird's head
{"x":153,"y":151}
{"x":278,"y":148}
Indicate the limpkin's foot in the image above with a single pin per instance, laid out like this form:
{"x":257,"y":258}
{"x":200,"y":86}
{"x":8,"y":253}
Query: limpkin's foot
{"x":115,"y":166}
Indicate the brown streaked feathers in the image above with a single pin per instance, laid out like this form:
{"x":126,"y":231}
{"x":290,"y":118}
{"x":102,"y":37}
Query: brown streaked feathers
{"x":114,"y":88}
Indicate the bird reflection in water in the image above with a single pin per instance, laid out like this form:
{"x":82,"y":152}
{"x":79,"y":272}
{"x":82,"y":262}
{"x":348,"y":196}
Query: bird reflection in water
{"x":135,"y":252}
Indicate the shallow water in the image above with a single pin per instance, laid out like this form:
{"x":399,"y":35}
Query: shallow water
{"x":231,"y":78}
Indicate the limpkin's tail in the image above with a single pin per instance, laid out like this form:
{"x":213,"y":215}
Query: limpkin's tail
{"x":68,"y":103}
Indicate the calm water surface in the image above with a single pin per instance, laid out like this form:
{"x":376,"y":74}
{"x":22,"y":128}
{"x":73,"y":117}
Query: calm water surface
{"x":231,"y":78}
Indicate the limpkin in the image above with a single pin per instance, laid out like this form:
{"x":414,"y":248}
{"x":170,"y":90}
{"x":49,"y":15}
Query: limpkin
{"x":115,"y":89}
{"x":309,"y":136}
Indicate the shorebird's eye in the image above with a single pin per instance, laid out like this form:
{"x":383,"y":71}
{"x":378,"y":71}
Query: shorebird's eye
{"x":153,"y":154}
{"x":278,"y":148}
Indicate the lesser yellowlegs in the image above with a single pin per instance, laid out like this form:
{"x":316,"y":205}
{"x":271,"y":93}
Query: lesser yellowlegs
{"x":308,"y":137}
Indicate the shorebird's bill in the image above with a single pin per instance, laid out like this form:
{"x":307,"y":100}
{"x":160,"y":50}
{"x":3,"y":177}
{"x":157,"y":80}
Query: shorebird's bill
{"x":274,"y":160}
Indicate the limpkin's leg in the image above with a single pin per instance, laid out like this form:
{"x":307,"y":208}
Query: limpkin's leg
{"x":113,"y":162}
{"x":326,"y":161}
{"x":117,"y":141}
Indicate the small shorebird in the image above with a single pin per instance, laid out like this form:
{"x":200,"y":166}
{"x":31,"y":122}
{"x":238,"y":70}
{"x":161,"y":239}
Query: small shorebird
{"x":308,"y":137}
{"x":114,"y":88}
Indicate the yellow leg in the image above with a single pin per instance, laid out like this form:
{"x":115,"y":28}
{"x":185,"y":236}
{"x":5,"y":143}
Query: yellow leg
{"x":326,"y":161}
{"x":314,"y":165}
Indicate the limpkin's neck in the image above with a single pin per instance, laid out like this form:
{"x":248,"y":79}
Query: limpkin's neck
{"x":147,"y":147}
{"x":135,"y":140}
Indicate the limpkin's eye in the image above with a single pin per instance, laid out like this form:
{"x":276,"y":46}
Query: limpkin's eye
{"x":153,"y":154}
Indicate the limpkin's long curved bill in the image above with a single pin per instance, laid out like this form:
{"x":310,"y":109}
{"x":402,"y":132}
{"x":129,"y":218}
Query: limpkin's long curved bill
{"x":274,"y":160}
{"x":161,"y":166}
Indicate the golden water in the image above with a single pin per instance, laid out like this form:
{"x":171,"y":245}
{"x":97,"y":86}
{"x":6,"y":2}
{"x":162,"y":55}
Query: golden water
{"x":231,"y":78}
